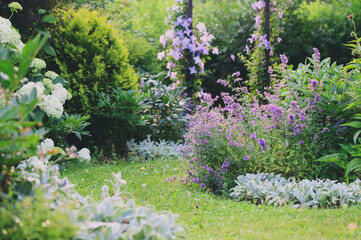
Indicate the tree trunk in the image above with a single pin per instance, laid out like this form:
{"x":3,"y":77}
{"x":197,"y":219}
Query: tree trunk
{"x":267,"y":14}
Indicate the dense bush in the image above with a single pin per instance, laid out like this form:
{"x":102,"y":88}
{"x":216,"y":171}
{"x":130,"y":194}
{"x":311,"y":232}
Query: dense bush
{"x":298,"y":121}
{"x":321,"y":24}
{"x":157,"y":109}
{"x":32,"y":219}
{"x":91,"y":57}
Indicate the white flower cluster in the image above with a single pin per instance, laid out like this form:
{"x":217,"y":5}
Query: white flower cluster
{"x":9,"y":35}
{"x":84,"y":154}
{"x":60,"y":92}
{"x":36,"y":163}
{"x":27,"y":88}
{"x":51,"y":105}
{"x":37,"y":64}
{"x":50,"y":74}
{"x":47,"y":145}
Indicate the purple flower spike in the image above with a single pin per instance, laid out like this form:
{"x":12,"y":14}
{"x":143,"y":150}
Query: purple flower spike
{"x":262,"y":143}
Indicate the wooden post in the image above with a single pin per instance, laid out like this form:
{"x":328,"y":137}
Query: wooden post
{"x":267,"y":14}
{"x":189,"y":77}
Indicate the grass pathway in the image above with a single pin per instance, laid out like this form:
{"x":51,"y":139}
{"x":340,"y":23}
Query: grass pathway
{"x":206,"y":216}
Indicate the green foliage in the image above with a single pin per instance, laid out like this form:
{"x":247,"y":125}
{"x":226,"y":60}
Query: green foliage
{"x":142,"y":53}
{"x":206,"y":216}
{"x":231,"y":23}
{"x":122,"y":111}
{"x":67,"y":126}
{"x":321,"y":24}
{"x":33,"y":219}
{"x":167,"y":106}
{"x":18,"y":138}
{"x":91,"y":57}
{"x":28,"y":20}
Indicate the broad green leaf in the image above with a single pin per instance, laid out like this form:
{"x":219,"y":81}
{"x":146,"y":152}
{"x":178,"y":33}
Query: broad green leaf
{"x":355,"y":163}
{"x":49,"y":19}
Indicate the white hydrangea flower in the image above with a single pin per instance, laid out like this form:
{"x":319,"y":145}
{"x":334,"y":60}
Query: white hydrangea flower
{"x":4,"y":22}
{"x":48,"y":84}
{"x":4,"y":76}
{"x":37,"y":64}
{"x":9,"y":35}
{"x":47,"y":145}
{"x":51,"y":105}
{"x":84,"y":154}
{"x":27,"y":88}
{"x":50,"y":74}
{"x":60,"y":92}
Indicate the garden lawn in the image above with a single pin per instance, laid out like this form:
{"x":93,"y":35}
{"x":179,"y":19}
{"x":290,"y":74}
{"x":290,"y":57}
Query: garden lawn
{"x":206,"y":216}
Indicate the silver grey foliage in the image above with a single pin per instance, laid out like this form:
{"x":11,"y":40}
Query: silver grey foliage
{"x":113,"y":217}
{"x":277,"y":190}
{"x":150,"y":149}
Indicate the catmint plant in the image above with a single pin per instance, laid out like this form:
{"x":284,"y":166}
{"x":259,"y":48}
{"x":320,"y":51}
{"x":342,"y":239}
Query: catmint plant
{"x":246,"y":135}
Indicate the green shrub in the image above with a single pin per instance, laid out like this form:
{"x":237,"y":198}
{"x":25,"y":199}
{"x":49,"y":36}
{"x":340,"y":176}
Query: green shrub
{"x":27,"y":20}
{"x":91,"y":57}
{"x":321,"y":24}
{"x":33,"y":219}
{"x":142,"y":53}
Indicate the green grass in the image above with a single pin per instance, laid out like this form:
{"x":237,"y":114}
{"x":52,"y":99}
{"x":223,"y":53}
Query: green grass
{"x":216,"y":217}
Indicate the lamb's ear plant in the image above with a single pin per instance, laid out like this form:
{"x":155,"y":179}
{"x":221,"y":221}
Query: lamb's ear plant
{"x":276,"y":190}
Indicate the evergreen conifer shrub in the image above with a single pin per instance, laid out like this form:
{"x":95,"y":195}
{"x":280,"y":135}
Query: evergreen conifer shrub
{"x":91,"y":57}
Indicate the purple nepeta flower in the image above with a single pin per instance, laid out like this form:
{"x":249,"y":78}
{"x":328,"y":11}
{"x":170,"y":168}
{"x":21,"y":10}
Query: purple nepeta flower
{"x":246,"y":157}
{"x":202,"y":185}
{"x":262,"y":143}
{"x":315,"y":137}
{"x":253,"y":135}
{"x":225,"y":166}
{"x":301,"y":142}
{"x":196,"y":180}
{"x":313,"y":83}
